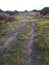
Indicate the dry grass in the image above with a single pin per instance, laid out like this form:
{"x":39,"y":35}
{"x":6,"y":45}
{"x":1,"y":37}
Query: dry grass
{"x":44,"y":23}
{"x":42,"y":40}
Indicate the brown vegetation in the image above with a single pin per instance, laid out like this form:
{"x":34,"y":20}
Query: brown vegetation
{"x":6,"y":17}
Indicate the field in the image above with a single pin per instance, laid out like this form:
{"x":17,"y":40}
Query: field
{"x":25,"y":41}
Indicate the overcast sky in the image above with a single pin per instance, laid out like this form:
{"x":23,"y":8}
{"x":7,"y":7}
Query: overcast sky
{"x":21,"y":5}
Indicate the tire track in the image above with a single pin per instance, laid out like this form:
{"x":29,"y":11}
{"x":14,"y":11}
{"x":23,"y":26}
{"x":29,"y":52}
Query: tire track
{"x":27,"y":50}
{"x":10,"y":37}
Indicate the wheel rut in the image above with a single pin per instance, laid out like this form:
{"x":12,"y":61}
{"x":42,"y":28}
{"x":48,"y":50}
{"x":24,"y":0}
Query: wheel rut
{"x":29,"y":50}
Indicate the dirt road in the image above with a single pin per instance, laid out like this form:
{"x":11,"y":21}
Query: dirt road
{"x":29,"y":51}
{"x":30,"y":54}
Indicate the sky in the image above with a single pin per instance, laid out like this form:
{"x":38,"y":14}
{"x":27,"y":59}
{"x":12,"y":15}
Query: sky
{"x":22,"y":5}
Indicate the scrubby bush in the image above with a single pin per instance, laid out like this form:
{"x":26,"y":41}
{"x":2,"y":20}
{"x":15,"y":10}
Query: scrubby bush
{"x":45,"y":11}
